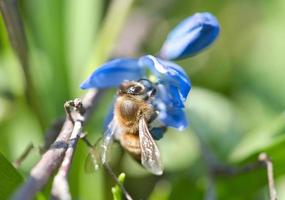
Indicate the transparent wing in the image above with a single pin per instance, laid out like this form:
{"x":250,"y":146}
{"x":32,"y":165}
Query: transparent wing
{"x":93,"y":161}
{"x":150,"y":156}
{"x":99,"y":153}
{"x":107,"y":140}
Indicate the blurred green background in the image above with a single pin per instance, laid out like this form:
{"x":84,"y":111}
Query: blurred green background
{"x":236,"y":107}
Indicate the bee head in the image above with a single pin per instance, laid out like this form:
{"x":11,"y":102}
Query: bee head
{"x":142,"y":88}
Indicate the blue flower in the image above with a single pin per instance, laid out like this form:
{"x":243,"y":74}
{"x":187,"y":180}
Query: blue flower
{"x":172,"y":83}
{"x":112,"y":73}
{"x":191,"y":36}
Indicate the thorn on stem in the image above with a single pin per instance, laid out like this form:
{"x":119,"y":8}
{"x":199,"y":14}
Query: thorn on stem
{"x":23,"y":156}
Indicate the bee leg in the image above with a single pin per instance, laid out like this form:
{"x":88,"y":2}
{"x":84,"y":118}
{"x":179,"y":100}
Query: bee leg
{"x":158,"y":132}
{"x":153,"y":116}
{"x":149,"y":115}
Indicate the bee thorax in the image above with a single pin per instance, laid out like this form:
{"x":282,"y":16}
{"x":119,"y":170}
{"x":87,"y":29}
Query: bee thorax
{"x":128,"y":110}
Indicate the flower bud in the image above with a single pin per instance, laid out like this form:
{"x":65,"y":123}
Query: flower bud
{"x":191,"y":36}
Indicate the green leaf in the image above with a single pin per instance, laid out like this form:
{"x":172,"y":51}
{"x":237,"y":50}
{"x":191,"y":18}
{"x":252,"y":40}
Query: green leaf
{"x":83,"y":17}
{"x":215,"y":120}
{"x":47,"y":43}
{"x":181,"y":145}
{"x":9,"y":178}
{"x":161,"y":191}
{"x":186,"y":188}
{"x":256,"y":140}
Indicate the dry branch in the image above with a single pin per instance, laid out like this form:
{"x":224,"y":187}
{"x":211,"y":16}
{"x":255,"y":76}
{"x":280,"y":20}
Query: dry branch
{"x":23,"y":156}
{"x":215,"y":169}
{"x":60,"y":187}
{"x":269,"y":166}
{"x":53,"y":157}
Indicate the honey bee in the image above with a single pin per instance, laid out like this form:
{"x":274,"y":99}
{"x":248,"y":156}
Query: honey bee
{"x":130,"y":126}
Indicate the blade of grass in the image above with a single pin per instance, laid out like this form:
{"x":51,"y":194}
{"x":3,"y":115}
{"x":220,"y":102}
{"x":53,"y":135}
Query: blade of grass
{"x":10,"y":178}
{"x":81,"y":24}
{"x":15,"y":29}
{"x":111,"y":27}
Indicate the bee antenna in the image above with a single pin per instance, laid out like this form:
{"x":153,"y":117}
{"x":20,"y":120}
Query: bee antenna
{"x":144,"y":79}
{"x":146,"y":83}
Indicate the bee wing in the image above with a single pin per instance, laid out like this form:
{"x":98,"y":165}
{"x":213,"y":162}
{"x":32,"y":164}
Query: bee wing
{"x":93,"y":161}
{"x":150,"y":156}
{"x":107,"y":140}
{"x":98,"y":154}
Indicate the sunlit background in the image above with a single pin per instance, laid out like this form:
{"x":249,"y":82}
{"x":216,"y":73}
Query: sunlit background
{"x":235,"y":109}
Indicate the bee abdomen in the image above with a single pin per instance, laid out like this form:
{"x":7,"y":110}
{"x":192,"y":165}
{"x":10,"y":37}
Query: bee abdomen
{"x":131,"y":143}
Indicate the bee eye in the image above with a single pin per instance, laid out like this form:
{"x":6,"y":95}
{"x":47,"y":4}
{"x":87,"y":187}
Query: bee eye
{"x":135,"y":90}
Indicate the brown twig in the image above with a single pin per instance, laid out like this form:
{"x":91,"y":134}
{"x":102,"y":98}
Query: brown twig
{"x":269,"y":166}
{"x":52,"y":158}
{"x":60,"y":187}
{"x":215,"y":168}
{"x":226,"y":170}
{"x":211,"y":162}
{"x":40,"y":173}
{"x":23,"y":156}
{"x":52,"y":133}
{"x":211,"y":188}
{"x":263,"y":160}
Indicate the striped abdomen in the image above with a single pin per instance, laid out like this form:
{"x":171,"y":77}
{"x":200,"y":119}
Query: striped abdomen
{"x":131,"y":143}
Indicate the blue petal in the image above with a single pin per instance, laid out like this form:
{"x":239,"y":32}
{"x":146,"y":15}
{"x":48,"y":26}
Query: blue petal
{"x":168,"y":72}
{"x":169,"y":95}
{"x":190,"y":36}
{"x":113,"y":73}
{"x":173,"y":117}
